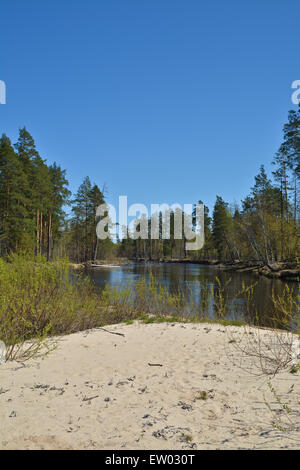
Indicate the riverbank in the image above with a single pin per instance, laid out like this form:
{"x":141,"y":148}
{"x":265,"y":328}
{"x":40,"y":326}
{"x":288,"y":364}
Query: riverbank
{"x":287,"y":271}
{"x":281,"y":270}
{"x":145,"y":386}
{"x":115,"y":262}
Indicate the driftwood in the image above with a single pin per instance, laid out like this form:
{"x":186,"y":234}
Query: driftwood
{"x":112,"y":332}
{"x":90,"y":398}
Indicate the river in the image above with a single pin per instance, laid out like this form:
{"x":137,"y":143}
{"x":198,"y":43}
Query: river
{"x":194,"y":279}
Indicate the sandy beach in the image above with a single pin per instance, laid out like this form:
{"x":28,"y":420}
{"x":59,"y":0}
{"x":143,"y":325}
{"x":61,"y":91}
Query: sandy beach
{"x":152,"y":386}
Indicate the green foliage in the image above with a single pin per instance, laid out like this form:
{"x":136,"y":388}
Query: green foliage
{"x":286,"y":421}
{"x":40,"y":299}
{"x":284,"y":309}
{"x":295,"y":369}
{"x":222,"y":226}
{"x":31,"y":198}
{"x":82,"y":243}
{"x":202,"y":396}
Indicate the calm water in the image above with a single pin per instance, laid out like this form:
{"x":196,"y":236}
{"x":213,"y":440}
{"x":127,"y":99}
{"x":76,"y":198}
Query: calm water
{"x":193,"y":279}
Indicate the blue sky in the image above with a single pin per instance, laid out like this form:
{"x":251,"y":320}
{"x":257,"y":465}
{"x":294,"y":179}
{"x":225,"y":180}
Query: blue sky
{"x":161,"y":100}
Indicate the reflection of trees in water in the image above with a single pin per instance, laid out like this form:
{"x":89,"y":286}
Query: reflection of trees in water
{"x":199,"y":286}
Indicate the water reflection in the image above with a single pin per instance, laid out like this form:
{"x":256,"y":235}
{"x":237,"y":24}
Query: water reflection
{"x":198,"y":281}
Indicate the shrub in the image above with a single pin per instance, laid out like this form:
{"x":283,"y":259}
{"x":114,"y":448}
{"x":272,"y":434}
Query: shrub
{"x":40,"y":299}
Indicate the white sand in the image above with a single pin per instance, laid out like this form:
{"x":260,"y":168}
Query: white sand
{"x":97,"y":391}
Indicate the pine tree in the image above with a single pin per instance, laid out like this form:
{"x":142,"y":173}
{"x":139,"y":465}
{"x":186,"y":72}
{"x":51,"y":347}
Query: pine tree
{"x":59,"y":197}
{"x":38,"y":191}
{"x":13,"y":201}
{"x":85,"y":204}
{"x":221,"y":229}
{"x":288,"y":157}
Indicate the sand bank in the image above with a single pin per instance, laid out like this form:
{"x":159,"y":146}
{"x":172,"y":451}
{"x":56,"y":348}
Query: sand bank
{"x":160,"y":386}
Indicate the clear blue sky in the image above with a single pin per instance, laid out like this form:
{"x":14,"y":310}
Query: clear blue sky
{"x":162,"y":100}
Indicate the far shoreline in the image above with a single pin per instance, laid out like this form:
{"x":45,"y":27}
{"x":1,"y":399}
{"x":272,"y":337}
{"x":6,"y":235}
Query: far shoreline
{"x":285,"y":271}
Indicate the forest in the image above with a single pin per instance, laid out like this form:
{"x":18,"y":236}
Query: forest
{"x":39,"y":215}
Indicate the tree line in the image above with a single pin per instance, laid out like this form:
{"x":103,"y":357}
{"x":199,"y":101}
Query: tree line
{"x":34,"y":196}
{"x":264,"y":227}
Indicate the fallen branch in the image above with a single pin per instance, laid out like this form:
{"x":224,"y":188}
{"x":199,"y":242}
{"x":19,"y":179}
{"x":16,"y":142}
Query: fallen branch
{"x":90,"y":398}
{"x":112,"y":332}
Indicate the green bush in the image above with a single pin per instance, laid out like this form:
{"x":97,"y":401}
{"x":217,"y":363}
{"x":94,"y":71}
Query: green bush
{"x":40,"y":299}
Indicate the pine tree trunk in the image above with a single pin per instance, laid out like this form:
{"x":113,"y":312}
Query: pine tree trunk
{"x":37,"y":232}
{"x":285,"y":193}
{"x":41,"y":234}
{"x":49,"y":238}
